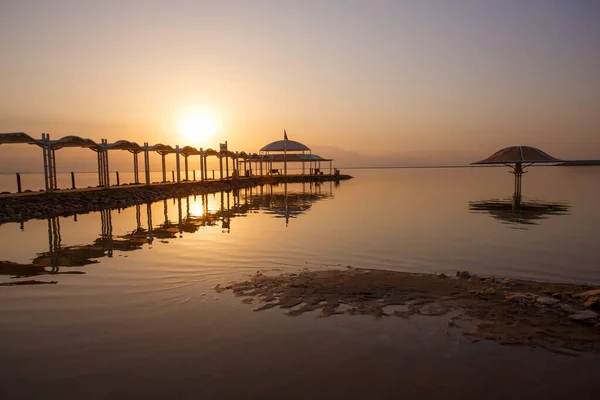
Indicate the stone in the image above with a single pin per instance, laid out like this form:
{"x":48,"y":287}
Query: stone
{"x":593,"y":302}
{"x":547,"y":301}
{"x":433,"y":309}
{"x":587,"y":294}
{"x":463,"y":274}
{"x":586,"y":317}
{"x":490,"y":291}
{"x":567,"y":308}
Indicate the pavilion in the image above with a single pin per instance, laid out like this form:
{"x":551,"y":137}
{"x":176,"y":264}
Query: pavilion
{"x":285,"y":151}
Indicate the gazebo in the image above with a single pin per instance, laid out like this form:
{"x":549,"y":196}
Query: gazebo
{"x":515,"y":157}
{"x":284,"y":151}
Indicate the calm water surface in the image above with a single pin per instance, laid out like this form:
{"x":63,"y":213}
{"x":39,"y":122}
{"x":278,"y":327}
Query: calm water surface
{"x":131,"y":309}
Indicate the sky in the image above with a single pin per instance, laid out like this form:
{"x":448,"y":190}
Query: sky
{"x":413,"y":82}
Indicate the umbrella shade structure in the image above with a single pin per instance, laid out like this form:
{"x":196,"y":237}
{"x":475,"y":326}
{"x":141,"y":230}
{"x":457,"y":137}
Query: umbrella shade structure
{"x":515,"y":157}
{"x":519,"y":154}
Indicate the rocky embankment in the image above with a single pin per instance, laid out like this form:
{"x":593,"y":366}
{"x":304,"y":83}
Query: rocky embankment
{"x":21,"y":208}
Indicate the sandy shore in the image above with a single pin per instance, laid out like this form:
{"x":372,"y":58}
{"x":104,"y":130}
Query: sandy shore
{"x":559,"y":317}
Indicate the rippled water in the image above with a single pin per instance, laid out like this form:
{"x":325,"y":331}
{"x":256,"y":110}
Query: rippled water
{"x":127,"y":289}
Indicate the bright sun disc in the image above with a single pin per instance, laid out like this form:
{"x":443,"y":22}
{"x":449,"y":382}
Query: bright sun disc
{"x":198,"y":127}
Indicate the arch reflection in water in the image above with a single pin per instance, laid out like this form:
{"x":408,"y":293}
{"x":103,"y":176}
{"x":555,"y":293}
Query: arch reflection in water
{"x":519,"y":213}
{"x":272,"y":200}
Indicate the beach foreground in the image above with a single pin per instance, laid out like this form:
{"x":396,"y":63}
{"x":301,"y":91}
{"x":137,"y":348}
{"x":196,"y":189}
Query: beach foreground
{"x":557,"y":317}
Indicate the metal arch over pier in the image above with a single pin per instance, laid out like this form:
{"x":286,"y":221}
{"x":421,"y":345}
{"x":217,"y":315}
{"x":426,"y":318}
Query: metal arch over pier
{"x":292,"y":152}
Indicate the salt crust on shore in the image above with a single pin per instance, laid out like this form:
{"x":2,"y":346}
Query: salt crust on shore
{"x":513,"y":312}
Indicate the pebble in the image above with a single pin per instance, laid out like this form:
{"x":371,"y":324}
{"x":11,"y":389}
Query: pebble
{"x":586,"y":317}
{"x":548,"y":301}
{"x":567,"y":308}
{"x":593,"y":302}
{"x":587,"y":294}
{"x":433,"y":309}
{"x":463,"y":274}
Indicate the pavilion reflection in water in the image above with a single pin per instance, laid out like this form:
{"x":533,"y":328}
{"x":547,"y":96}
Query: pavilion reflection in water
{"x":519,"y":213}
{"x":237,"y":203}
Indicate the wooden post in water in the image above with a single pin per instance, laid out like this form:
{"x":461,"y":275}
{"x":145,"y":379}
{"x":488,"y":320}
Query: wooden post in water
{"x":194,"y":175}
{"x":18,"y":183}
{"x":72,"y":180}
{"x":118,"y":180}
{"x":173,"y":175}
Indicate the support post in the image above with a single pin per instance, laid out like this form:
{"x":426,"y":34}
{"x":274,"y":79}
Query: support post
{"x":118,"y":180}
{"x":72,"y":180}
{"x":226,"y":164}
{"x":45,"y":155}
{"x":194,"y":175}
{"x":147,"y":163}
{"x":177,"y":164}
{"x":205,"y":167}
{"x":164,"y":167}
{"x":136,"y":168}
{"x":173,"y":176}
{"x":19,"y":183}
{"x":202,"y":160}
{"x":221,"y":166}
{"x":106,"y":167}
{"x":100,"y":155}
{"x":51,"y":186}
{"x":185,"y":164}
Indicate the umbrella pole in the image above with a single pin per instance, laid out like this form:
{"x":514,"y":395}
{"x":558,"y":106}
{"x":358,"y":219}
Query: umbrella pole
{"x":518,"y":172}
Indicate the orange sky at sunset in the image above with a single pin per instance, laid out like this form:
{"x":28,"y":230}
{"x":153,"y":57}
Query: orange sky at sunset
{"x":417,"y":82}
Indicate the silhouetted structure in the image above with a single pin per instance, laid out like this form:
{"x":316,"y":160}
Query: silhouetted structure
{"x":515,"y":157}
{"x":102,"y":149}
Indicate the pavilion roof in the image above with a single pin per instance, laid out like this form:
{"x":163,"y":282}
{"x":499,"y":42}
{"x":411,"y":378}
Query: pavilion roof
{"x":285,"y":145}
{"x":519,"y":154}
{"x":17,"y":137}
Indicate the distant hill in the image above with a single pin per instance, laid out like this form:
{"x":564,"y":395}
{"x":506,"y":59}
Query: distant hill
{"x":579,"y":163}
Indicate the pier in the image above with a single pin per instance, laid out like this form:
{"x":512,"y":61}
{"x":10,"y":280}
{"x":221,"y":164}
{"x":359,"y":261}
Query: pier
{"x":244,"y":165}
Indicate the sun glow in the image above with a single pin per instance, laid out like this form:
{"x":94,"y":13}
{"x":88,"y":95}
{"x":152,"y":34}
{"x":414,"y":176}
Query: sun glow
{"x":197,"y":127}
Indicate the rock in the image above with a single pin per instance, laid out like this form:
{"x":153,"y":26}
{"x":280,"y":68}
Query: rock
{"x":490,"y":291}
{"x":564,"y":350}
{"x":463,"y":274}
{"x":593,"y":302}
{"x":587,"y":294}
{"x":597,"y":326}
{"x":567,"y":308}
{"x":547,"y":301}
{"x":521,"y":297}
{"x":586,"y":317}
{"x":433,"y":309}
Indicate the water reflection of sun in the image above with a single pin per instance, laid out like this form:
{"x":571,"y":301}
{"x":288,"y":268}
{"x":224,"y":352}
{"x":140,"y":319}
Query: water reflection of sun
{"x":197,"y":127}
{"x":196,"y":209}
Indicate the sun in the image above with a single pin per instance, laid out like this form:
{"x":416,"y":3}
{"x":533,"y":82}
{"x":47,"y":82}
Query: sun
{"x":197,"y":127}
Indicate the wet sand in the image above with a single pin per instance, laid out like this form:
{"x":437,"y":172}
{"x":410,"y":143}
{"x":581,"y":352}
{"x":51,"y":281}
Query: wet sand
{"x":556,"y":317}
